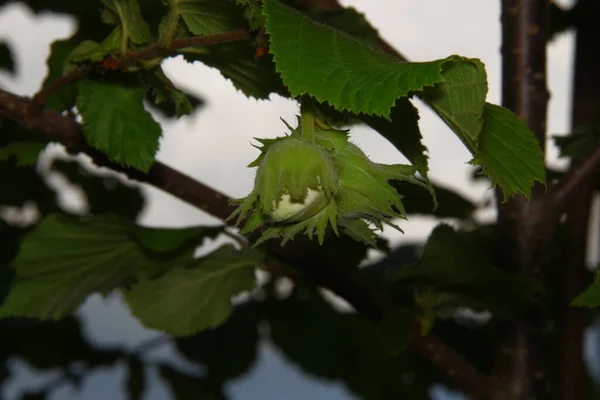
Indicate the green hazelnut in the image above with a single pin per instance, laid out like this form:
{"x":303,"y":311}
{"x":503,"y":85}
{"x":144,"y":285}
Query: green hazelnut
{"x":309,"y":183}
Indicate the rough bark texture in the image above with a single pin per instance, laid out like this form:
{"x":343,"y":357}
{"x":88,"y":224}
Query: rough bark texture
{"x":522,"y":223}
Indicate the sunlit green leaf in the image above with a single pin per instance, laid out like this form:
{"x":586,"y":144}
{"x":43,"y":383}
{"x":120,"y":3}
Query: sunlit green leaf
{"x":340,"y":69}
{"x":508,"y":152}
{"x":92,"y":51}
{"x":115,"y":122}
{"x":207,"y":17}
{"x":460,"y":98}
{"x":127,"y":14}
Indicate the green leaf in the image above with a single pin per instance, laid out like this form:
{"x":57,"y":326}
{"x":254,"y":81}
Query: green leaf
{"x":57,"y":61}
{"x":208,"y":17}
{"x":235,"y":61}
{"x":6,"y":58}
{"x":509,"y":152}
{"x":127,"y":14}
{"x":460,"y":98}
{"x":451,"y":204}
{"x":201,"y":293}
{"x":26,"y":153}
{"x":340,"y":69}
{"x":580,"y":143}
{"x":96,"y":52}
{"x":402,"y":130}
{"x":166,"y":96}
{"x":136,"y":379}
{"x":164,"y":240}
{"x":63,"y":260}
{"x":116,"y":123}
{"x":590,"y":297}
{"x":354,"y":23}
{"x":455,"y":264}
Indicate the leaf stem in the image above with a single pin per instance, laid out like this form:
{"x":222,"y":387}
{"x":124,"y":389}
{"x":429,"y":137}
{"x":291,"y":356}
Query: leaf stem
{"x":307,"y":114}
{"x":125,"y":36}
{"x":560,"y":193}
{"x":170,"y":27}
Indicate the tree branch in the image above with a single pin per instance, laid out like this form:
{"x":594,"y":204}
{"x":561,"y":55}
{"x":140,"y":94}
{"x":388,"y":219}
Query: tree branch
{"x":560,"y":193}
{"x":160,"y":50}
{"x":41,"y":97}
{"x":365,"y":299}
{"x":151,"y":52}
{"x":524,"y":234}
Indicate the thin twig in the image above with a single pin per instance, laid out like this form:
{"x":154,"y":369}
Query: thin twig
{"x":159,"y":50}
{"x":149,"y":53}
{"x":365,"y":299}
{"x":560,"y":193}
{"x":41,"y":97}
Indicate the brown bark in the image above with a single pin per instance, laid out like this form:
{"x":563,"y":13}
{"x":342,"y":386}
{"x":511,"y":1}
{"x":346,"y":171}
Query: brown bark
{"x":522,"y":222}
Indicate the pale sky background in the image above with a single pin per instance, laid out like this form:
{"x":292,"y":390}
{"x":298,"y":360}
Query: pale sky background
{"x":213,"y":146}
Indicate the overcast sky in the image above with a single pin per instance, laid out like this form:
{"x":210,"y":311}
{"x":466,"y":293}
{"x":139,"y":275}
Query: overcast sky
{"x":213,"y":145}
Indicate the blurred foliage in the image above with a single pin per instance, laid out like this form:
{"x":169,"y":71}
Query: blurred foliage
{"x":561,"y":19}
{"x":307,"y":329}
{"x":7,"y":61}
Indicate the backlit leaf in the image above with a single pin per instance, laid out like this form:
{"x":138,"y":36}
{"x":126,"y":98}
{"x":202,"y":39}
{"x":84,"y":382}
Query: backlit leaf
{"x":115,"y":122}
{"x":337,"y":68}
{"x":508,"y":152}
{"x":63,"y":260}
{"x":201,"y":293}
